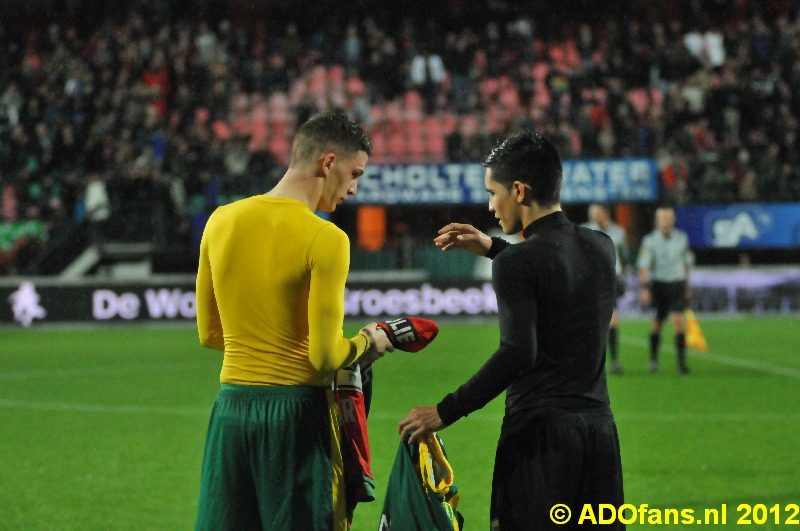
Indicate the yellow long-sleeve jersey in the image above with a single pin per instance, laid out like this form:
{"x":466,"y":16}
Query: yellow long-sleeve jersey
{"x":270,"y":293}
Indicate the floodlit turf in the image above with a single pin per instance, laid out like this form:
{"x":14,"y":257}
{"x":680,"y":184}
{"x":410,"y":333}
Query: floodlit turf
{"x":104,"y":428}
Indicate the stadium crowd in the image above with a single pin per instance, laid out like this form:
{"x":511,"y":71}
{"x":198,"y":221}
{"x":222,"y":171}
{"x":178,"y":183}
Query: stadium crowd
{"x":143,"y":122}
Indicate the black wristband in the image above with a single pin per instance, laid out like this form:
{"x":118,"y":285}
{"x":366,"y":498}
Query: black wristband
{"x":498,"y":244}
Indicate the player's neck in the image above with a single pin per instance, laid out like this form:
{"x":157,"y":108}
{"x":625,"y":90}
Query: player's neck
{"x":531,"y":213}
{"x":299,"y":185}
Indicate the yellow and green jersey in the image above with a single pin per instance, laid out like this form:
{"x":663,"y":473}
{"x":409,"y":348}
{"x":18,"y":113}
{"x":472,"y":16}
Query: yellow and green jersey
{"x":270,"y":293}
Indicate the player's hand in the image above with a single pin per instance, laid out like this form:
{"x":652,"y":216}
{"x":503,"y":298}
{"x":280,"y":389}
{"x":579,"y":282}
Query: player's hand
{"x":379,"y":344}
{"x":419,"y":422}
{"x":461,"y":236}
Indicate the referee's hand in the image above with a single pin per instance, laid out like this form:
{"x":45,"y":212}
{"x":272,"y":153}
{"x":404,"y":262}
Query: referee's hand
{"x":462,"y":236}
{"x":419,"y":422}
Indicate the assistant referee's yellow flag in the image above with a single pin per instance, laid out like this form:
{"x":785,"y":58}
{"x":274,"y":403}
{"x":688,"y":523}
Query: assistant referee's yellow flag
{"x":694,"y":336}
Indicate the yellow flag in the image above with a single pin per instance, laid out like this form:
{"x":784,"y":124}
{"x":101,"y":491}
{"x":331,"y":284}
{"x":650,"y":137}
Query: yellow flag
{"x":694,"y":336}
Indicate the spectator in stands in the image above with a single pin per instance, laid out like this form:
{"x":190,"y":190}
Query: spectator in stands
{"x":73,"y":99}
{"x":426,"y":75}
{"x":98,"y":208}
{"x":459,"y":56}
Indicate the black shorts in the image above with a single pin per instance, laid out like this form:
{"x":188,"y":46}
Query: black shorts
{"x":573,"y":461}
{"x":668,"y":297}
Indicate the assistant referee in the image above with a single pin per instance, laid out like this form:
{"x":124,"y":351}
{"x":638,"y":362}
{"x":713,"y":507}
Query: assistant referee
{"x":664,"y":263}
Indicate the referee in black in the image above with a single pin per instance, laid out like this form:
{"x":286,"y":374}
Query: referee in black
{"x":555,"y":294}
{"x":664,"y":262}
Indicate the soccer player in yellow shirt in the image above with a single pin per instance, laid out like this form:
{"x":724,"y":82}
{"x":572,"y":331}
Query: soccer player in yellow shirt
{"x":270,"y":294}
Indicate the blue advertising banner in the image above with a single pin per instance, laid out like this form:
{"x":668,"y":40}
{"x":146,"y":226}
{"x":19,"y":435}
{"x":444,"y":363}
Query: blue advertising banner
{"x":585,"y":181}
{"x":741,"y":225}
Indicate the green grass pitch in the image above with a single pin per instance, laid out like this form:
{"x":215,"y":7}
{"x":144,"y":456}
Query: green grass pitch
{"x":104,"y":428}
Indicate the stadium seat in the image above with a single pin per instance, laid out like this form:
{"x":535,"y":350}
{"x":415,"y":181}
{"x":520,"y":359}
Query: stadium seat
{"x":355,"y":86}
{"x":436,"y":148}
{"x":378,"y":146}
{"x":469,"y":125}
{"x":397,"y":146}
{"x":280,"y":148}
{"x":572,"y":55}
{"x":278,"y":101}
{"x":297,"y":91}
{"x":541,"y":71}
{"x":432,"y":126}
{"x":317,"y":83}
{"x":394,"y":111}
{"x":417,"y":149}
{"x":449,"y":122}
{"x":489,"y":87}
{"x":412,"y":100}
{"x":494,"y":116}
{"x":413,"y":126}
{"x":509,"y":97}
{"x":378,"y":113}
{"x":335,"y":75}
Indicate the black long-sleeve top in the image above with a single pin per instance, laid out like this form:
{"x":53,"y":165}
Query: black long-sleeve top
{"x":555,"y":295}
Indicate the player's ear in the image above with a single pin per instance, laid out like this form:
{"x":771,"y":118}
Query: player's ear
{"x":522,"y":191}
{"x":326,"y":161}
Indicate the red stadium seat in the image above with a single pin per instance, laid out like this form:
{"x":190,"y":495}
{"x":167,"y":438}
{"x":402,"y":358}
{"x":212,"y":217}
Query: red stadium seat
{"x":394,"y":111}
{"x":432,"y":126}
{"x":414,"y":126}
{"x":494,"y":116}
{"x":412,"y":100}
{"x":378,"y":146}
{"x":378,"y":113}
{"x":397,"y":147}
{"x":416,"y":148}
{"x":280,"y":149}
{"x":298,"y":90}
{"x":335,"y":75}
{"x":356,"y":87}
{"x":469,"y":125}
{"x":436,"y":148}
{"x":489,"y":88}
{"x":509,"y":97}
{"x":449,"y":122}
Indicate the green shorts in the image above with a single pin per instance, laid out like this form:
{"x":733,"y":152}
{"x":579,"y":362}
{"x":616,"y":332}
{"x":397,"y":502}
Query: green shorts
{"x":272,"y":461}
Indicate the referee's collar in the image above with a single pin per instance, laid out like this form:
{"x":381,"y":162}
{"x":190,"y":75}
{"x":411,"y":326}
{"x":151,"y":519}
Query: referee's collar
{"x":545,"y":223}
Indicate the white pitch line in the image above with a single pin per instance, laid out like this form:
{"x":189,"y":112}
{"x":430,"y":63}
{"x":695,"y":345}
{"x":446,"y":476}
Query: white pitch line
{"x":723,"y":359}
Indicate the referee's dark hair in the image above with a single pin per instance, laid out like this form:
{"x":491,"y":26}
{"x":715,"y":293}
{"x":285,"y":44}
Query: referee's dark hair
{"x":329,"y":131}
{"x":531,"y":159}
